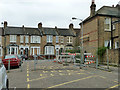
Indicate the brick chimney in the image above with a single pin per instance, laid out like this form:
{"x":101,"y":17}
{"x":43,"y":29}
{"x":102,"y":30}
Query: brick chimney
{"x":5,"y":24}
{"x":92,"y":8}
{"x":39,"y":25}
{"x":71,"y":26}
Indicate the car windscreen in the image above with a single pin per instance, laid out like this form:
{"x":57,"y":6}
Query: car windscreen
{"x":10,"y":56}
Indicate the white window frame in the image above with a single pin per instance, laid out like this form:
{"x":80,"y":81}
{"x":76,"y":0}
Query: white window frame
{"x":106,"y":42}
{"x":114,"y":26}
{"x":116,"y":45}
{"x":26,"y":39}
{"x":35,"y":39}
{"x":49,"y":39}
{"x":49,"y":50}
{"x":21,"y":38}
{"x":32,"y":50}
{"x":13,"y":38}
{"x":15,"y":50}
{"x":107,"y":21}
{"x":69,"y":39}
{"x":57,"y":39}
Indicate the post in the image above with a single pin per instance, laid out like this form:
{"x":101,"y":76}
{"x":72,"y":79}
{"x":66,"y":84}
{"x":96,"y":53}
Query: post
{"x":107,"y":59}
{"x":8,"y":65}
{"x":97,"y":62}
{"x":21,"y":66}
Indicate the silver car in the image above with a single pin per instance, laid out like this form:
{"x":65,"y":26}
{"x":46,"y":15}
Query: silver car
{"x":4,"y":83}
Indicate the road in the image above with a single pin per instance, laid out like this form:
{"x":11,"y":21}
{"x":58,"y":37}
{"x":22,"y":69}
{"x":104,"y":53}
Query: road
{"x":49,"y":74}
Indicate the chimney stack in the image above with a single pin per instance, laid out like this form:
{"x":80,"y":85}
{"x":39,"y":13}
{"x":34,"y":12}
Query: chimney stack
{"x":39,"y":25}
{"x":5,"y":24}
{"x":92,"y":8}
{"x":71,"y":26}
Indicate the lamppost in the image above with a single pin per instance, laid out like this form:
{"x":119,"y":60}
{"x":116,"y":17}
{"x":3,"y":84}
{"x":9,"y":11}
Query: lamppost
{"x":82,"y":56}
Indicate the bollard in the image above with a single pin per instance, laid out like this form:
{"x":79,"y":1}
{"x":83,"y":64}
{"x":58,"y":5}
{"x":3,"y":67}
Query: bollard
{"x":8,"y":65}
{"x":97,"y":63}
{"x":21,"y":66}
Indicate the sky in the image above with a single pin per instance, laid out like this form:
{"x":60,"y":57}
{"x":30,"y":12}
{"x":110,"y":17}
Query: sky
{"x":50,"y":12}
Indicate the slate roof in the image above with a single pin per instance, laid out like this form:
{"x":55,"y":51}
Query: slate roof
{"x":49,"y":31}
{"x":22,"y":31}
{"x":65,"y":32}
{"x":14,"y":30}
{"x":107,"y":10}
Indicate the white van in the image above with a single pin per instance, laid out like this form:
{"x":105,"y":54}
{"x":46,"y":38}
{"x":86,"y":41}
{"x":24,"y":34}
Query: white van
{"x":3,"y":77}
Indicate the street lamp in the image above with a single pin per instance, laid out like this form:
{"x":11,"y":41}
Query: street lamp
{"x":74,"y":18}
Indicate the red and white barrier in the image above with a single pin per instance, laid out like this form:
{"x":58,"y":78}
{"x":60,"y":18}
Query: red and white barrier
{"x":89,"y":56}
{"x":90,"y":62}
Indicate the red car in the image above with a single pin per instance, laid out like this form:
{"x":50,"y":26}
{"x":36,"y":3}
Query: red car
{"x":14,"y":60}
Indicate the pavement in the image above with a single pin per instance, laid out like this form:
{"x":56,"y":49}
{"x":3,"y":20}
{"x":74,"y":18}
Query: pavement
{"x":48,"y":75}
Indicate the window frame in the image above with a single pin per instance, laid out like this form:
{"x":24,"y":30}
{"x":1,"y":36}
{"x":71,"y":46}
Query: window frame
{"x":107,"y":21}
{"x":13,"y":38}
{"x":49,"y":38}
{"x":26,"y":39}
{"x":21,"y":38}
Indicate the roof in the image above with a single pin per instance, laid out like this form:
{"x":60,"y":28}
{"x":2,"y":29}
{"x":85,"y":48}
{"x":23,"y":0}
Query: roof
{"x":22,"y":31}
{"x":49,"y":31}
{"x":14,"y":30}
{"x":65,"y":32}
{"x":106,"y":11}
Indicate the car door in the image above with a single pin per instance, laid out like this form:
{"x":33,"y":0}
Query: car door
{"x":1,"y":75}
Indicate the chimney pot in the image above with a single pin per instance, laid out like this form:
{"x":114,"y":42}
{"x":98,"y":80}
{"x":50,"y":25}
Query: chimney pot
{"x":40,"y":25}
{"x":71,"y":26}
{"x":5,"y":24}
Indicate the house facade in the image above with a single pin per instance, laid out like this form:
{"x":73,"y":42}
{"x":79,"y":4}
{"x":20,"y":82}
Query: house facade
{"x":102,"y":29}
{"x":36,"y":41}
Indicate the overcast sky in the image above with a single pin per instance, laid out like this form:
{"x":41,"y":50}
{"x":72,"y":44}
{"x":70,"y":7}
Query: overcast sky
{"x":50,"y":12}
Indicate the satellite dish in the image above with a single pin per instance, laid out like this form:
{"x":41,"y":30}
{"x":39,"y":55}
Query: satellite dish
{"x":119,"y":2}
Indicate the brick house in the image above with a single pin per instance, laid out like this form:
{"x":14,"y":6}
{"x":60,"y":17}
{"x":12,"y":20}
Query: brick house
{"x":99,"y":30}
{"x":36,"y":41}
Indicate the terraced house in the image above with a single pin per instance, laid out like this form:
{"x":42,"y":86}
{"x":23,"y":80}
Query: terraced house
{"x":36,"y":41}
{"x":102,"y":28}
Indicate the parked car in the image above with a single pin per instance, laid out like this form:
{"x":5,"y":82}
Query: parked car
{"x":14,"y":60}
{"x":24,"y":57}
{"x":20,"y":57}
{"x":4,"y":82}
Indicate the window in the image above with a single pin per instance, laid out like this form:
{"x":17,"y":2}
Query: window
{"x":49,"y":50}
{"x":13,"y":50}
{"x":21,"y":39}
{"x":35,"y":39}
{"x":107,"y":43}
{"x":107,"y":24}
{"x":0,"y":39}
{"x":116,"y":45}
{"x":62,"y":40}
{"x":26,"y":39}
{"x":69,"y":39}
{"x":12,"y":38}
{"x":49,"y":38}
{"x":57,"y":39}
{"x":114,"y":27}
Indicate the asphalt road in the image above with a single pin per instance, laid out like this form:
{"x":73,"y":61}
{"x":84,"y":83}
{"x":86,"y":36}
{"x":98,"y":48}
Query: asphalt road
{"x":48,"y":74}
